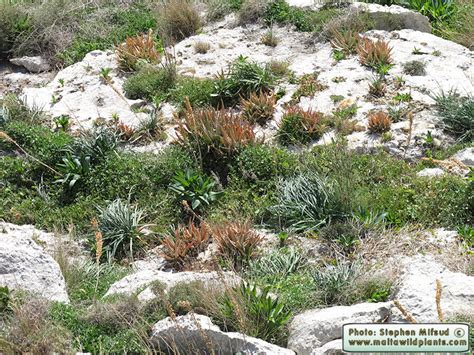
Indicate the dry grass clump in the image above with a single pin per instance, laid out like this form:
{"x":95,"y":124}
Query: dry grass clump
{"x":345,"y":41}
{"x":236,"y":241}
{"x":251,"y":11}
{"x":31,"y":331}
{"x":185,"y":243}
{"x":377,"y":87}
{"x":214,"y":131}
{"x":202,"y":47}
{"x":259,"y":108}
{"x":178,"y":19}
{"x":269,"y":39}
{"x":136,"y":49}
{"x":379,"y":122}
{"x":374,"y":54}
{"x":279,"y":68}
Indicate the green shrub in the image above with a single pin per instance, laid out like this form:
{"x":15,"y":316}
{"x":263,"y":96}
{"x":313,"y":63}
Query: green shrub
{"x":121,"y":226}
{"x":457,"y":114}
{"x":242,"y":79}
{"x":415,"y":68}
{"x":37,"y":140}
{"x":198,"y":91}
{"x":150,"y":82}
{"x":259,"y":164}
{"x":188,"y":296}
{"x":306,"y":202}
{"x":74,"y":170}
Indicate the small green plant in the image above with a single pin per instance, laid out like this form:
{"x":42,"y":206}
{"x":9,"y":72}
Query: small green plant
{"x":62,"y":122}
{"x":196,"y":191}
{"x":466,"y":234}
{"x":414,"y":68}
{"x":61,"y":82}
{"x":399,"y":81}
{"x":5,"y":300}
{"x":377,"y":87}
{"x":241,"y":80}
{"x":121,"y":225}
{"x":338,"y":55}
{"x":267,"y":315}
{"x":308,"y":85}
{"x":283,"y":238}
{"x":339,"y":79}
{"x":416,"y":51}
{"x":457,"y":114}
{"x":402,"y":97}
{"x":74,"y":170}
{"x":336,"y":98}
{"x":151,"y":82}
{"x":436,"y":10}
{"x":105,"y":73}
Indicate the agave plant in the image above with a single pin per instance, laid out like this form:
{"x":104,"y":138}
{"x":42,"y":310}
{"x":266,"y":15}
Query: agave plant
{"x":121,"y":225}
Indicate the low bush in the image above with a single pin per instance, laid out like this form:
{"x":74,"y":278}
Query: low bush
{"x":236,"y":242}
{"x":374,"y":54}
{"x":178,"y":19}
{"x":188,"y":296}
{"x":147,"y":83}
{"x":198,"y":91}
{"x":261,"y":164}
{"x":415,"y":68}
{"x":251,"y":11}
{"x":457,"y":114}
{"x":298,"y":126}
{"x":379,"y":122}
{"x":136,"y":51}
{"x":308,"y":85}
{"x":258,"y":108}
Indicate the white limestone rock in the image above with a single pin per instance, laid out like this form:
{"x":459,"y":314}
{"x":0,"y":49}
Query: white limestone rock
{"x":140,"y":280}
{"x":416,"y":290}
{"x":80,"y":92}
{"x":32,"y":64}
{"x":196,"y":334}
{"x":332,"y":348}
{"x":24,"y":265}
{"x":397,"y":15}
{"x":465,"y":156}
{"x":431,"y":172}
{"x":312,"y":329}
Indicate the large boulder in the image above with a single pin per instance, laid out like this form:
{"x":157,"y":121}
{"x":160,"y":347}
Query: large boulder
{"x":80,"y":92}
{"x":465,"y":156}
{"x":196,"y":334}
{"x":393,"y":17}
{"x":32,"y":64}
{"x":332,"y":348}
{"x":314,"y":328}
{"x":416,"y":291}
{"x":140,"y":281}
{"x":24,"y":265}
